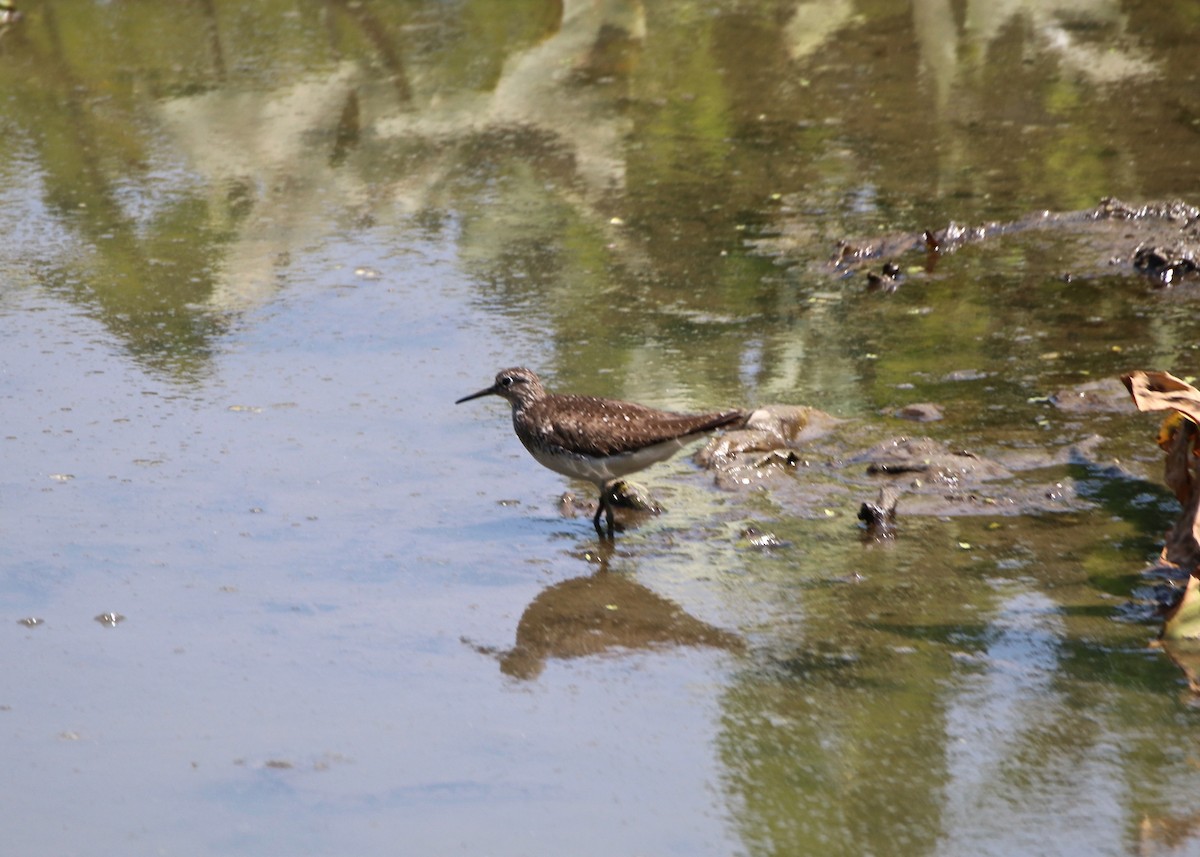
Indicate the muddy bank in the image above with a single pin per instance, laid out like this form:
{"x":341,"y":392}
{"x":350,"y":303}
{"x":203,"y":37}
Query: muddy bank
{"x":1160,"y":240}
{"x":812,"y":463}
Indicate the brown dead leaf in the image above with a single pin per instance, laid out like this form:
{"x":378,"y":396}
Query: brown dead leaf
{"x":1182,"y":546}
{"x":1178,"y":470}
{"x":1182,"y":625}
{"x":1161,"y":833}
{"x":1167,"y":429}
{"x":1160,"y":391}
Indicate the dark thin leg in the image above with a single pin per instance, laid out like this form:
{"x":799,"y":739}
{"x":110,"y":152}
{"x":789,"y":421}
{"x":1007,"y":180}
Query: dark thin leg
{"x":608,"y":514}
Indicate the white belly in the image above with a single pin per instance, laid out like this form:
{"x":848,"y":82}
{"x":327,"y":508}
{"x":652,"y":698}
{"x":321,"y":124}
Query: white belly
{"x":602,"y":470}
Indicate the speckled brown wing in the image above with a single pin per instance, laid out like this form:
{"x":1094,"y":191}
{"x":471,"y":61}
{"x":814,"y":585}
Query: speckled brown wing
{"x":601,"y":427}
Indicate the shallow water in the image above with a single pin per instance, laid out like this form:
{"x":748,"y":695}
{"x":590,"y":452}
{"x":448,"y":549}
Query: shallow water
{"x":255,"y":252}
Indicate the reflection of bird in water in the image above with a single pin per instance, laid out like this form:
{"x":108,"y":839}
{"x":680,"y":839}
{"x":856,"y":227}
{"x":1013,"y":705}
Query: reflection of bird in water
{"x":599,"y":440}
{"x":591,"y":615}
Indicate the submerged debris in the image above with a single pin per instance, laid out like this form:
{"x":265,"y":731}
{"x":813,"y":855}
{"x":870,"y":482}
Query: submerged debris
{"x":1167,"y":265}
{"x":880,"y":516}
{"x":1092,"y":397}
{"x":887,"y":280}
{"x":763,"y":540}
{"x":767,"y":443}
{"x":930,"y":459}
{"x":919,"y":412}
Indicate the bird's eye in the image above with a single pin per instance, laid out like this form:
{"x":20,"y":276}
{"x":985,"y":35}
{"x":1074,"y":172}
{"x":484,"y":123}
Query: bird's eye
{"x":506,"y":381}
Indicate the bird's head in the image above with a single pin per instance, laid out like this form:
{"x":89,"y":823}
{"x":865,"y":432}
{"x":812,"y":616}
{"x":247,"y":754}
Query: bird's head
{"x":518,"y":385}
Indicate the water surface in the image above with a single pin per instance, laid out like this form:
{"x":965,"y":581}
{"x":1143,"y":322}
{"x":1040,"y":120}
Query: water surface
{"x":255,"y":252}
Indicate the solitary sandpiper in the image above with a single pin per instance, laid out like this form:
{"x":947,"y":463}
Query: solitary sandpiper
{"x":599,"y":440}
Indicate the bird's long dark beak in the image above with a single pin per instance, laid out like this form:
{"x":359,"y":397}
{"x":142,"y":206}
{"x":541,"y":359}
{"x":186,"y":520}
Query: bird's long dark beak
{"x":487,"y":391}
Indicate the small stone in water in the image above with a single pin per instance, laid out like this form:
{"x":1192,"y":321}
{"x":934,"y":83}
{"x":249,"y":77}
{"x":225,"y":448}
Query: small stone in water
{"x":110,"y":619}
{"x":921,"y":412}
{"x":761,"y":539}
